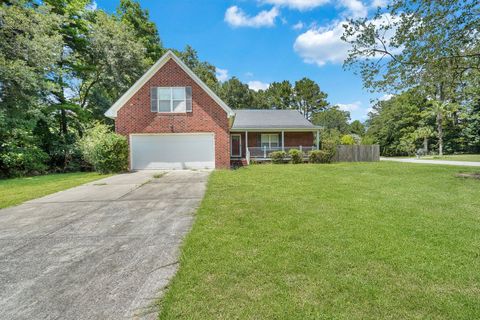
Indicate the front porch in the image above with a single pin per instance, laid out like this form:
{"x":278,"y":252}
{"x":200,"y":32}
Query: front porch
{"x":252,"y":145}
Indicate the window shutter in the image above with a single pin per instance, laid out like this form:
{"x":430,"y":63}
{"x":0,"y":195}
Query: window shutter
{"x":153,"y":99}
{"x":188,"y":95}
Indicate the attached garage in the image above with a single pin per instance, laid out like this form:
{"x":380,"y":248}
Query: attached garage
{"x":172,"y":151}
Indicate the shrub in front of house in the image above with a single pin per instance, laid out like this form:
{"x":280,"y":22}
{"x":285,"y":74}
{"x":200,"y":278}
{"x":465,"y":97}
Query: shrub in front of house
{"x":278,"y":156}
{"x":320,"y":156}
{"x":105,"y":150}
{"x":295,"y":155}
{"x":324,"y":155}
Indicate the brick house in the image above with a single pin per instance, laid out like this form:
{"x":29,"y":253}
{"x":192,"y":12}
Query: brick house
{"x":173,"y":120}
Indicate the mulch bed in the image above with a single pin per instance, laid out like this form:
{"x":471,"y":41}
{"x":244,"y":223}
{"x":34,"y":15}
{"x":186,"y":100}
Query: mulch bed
{"x":468,"y":175}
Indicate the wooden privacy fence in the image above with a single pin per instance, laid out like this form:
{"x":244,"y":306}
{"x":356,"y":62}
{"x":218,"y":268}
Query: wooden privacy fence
{"x":357,"y":153}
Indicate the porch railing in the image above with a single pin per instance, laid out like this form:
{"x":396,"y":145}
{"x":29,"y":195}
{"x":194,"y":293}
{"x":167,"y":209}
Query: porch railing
{"x":263,"y":153}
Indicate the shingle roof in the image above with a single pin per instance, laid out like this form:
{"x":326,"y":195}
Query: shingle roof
{"x":270,"y":119}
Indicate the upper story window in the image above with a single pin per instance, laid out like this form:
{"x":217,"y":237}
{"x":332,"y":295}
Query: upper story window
{"x":171,"y":99}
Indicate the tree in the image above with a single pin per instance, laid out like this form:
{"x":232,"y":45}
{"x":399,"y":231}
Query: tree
{"x":423,"y":44}
{"x":61,"y":65}
{"x":358,"y":128}
{"x":392,"y":122}
{"x":261,"y":99}
{"x":347,"y":140}
{"x":115,"y":59}
{"x":423,"y":133}
{"x":308,"y":98}
{"x":416,"y":42}
{"x":204,"y":70}
{"x":332,"y":118}
{"x":236,"y":94}
{"x":470,"y":133}
{"x":440,"y":110}
{"x":30,"y":47}
{"x":131,"y":14}
{"x":280,"y":95}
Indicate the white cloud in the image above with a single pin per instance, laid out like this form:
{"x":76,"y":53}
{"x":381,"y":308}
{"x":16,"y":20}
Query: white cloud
{"x":349,"y":106}
{"x":92,"y":6}
{"x":236,"y":17}
{"x":257,"y":85}
{"x":323,"y":45}
{"x":385,"y":97}
{"x":355,"y":8}
{"x":368,"y":111}
{"x":248,"y":74}
{"x":379,"y":3}
{"x":221,"y":74}
{"x":297,"y":4}
{"x":298,"y":26}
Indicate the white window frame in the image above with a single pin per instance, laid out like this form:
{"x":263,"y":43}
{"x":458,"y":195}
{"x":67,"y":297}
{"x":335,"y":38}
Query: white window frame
{"x":172,"y":100}
{"x":269,"y":135}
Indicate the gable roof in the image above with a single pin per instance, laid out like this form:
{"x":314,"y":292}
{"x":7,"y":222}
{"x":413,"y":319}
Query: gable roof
{"x":271,"y":119}
{"x":112,"y":111}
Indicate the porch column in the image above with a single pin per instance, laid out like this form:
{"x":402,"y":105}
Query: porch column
{"x":246,"y":143}
{"x":318,"y":139}
{"x":283,"y":140}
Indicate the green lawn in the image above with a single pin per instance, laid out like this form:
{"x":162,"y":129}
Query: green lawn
{"x":341,"y":241}
{"x":16,"y":191}
{"x":457,"y":157}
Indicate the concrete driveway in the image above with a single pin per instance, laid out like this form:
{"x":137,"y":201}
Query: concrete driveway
{"x":104,"y":250}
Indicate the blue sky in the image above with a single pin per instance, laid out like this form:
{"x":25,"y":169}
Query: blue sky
{"x":261,"y":41}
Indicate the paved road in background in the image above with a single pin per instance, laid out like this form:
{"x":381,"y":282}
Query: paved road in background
{"x":447,"y":162}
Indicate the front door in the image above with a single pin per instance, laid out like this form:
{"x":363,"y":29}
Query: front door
{"x":236,"y":145}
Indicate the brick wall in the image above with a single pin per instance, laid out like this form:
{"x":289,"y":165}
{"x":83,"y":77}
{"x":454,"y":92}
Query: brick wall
{"x":206,"y":116}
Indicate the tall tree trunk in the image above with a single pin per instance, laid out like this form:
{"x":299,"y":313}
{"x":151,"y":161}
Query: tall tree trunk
{"x":63,"y":122}
{"x":425,"y":144}
{"x":440,"y":118}
{"x":440,"y":132}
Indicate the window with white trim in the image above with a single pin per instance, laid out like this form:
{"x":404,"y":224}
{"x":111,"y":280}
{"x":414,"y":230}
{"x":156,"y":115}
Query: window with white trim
{"x":269,"y":140}
{"x":171,"y":99}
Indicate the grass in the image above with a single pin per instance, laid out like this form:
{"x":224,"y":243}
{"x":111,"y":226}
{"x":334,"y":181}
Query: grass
{"x":341,"y":241}
{"x":18,"y":190}
{"x":457,"y":157}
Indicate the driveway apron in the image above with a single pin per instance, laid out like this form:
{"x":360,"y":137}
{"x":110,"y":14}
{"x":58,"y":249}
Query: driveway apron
{"x":104,"y":250}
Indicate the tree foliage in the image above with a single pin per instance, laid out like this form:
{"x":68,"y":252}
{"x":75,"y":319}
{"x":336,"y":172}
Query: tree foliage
{"x":138,"y":20}
{"x":332,"y":119}
{"x":308,"y":98}
{"x":236,"y":94}
{"x":106,"y":151}
{"x":432,"y":48}
{"x":62,"y":65}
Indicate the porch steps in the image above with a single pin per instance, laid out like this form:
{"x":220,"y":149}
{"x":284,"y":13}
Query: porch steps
{"x":237,"y":163}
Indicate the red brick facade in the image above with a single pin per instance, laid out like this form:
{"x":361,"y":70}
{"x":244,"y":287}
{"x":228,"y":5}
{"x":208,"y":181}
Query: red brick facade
{"x":206,"y":116}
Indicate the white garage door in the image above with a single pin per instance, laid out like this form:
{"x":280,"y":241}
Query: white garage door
{"x":173,"y":151}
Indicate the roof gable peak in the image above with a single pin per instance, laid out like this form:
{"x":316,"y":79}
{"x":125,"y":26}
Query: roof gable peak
{"x":112,"y":111}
